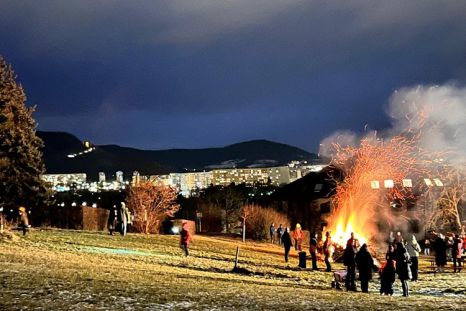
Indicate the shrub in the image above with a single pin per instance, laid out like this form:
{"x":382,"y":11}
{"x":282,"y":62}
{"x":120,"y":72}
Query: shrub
{"x":259,"y":219}
{"x":150,"y":204}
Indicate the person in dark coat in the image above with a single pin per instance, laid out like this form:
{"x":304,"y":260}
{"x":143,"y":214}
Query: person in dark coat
{"x":440,"y":248}
{"x":364,"y":262}
{"x":185,"y":238}
{"x":313,"y":250}
{"x":280,"y":231}
{"x":403,"y":267}
{"x":387,"y":273}
{"x":286,"y":242}
{"x":350,"y":263}
{"x":272,"y":233}
{"x":112,"y":221}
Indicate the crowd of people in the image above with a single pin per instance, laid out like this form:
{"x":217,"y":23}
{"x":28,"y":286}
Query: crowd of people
{"x":452,"y":247}
{"x":401,"y":257}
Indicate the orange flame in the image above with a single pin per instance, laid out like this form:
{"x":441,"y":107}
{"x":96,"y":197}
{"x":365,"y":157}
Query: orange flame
{"x":357,"y":207}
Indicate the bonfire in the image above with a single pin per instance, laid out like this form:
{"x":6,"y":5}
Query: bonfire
{"x":378,"y":174}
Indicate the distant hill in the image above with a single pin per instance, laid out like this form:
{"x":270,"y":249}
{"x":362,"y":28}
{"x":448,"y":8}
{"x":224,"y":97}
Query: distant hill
{"x":110,"y":158}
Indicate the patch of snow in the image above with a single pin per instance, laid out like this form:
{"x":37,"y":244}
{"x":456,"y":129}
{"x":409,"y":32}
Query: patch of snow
{"x":226,"y":164}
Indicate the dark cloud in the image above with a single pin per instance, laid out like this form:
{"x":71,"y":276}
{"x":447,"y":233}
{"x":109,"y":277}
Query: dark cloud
{"x":203,"y":73}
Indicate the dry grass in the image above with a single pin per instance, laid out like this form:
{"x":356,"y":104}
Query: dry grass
{"x":75,"y":270}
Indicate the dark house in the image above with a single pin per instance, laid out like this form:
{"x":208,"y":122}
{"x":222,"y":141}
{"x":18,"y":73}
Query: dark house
{"x":308,"y":200}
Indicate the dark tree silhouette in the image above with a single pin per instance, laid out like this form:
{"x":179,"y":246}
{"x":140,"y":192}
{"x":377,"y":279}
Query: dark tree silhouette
{"x":21,"y":164}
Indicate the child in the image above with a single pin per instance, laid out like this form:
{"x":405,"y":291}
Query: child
{"x":387,"y":272}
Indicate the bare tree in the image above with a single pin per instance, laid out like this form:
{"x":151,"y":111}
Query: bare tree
{"x":245,"y":212}
{"x":447,"y":214}
{"x":150,"y":204}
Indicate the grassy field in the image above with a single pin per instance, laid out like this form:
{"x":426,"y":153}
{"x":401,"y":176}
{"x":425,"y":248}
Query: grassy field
{"x":75,"y":270}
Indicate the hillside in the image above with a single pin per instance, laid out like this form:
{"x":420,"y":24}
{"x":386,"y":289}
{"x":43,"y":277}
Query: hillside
{"x":78,"y":270}
{"x":111,"y":158}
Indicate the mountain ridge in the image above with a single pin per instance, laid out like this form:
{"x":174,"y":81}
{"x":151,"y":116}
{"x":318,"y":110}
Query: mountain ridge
{"x":110,"y":158}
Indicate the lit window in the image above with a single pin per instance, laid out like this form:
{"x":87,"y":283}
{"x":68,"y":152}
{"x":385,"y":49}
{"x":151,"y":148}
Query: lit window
{"x":317,"y":187}
{"x":438,"y":182}
{"x":375,"y":184}
{"x":428,"y":182}
{"x":408,"y":183}
{"x":388,"y":183}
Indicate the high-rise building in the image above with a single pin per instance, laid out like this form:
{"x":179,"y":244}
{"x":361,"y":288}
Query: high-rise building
{"x":119,"y":177}
{"x":273,"y":175}
{"x":101,"y":177}
{"x":136,"y":178}
{"x":65,"y":182}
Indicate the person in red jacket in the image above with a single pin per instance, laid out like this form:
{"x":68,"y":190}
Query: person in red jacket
{"x":185,"y":238}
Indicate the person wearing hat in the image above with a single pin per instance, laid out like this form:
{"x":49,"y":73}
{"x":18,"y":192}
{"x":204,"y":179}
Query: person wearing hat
{"x":24,"y":221}
{"x":298,"y":235}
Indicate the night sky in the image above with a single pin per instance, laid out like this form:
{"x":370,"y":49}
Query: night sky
{"x":192,"y":74}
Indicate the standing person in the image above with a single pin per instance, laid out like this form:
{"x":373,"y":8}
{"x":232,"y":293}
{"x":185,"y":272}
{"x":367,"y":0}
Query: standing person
{"x":24,"y":220}
{"x":399,"y":238}
{"x":313,"y":250}
{"x":365,"y":262}
{"x":112,"y":221}
{"x":272,"y":233}
{"x":427,"y":246}
{"x":413,"y":248}
{"x":124,"y":214}
{"x":440,"y":248}
{"x":328,"y":251}
{"x":185,"y":238}
{"x":286,"y":242}
{"x":387,"y":275}
{"x":391,"y":238}
{"x":450,"y":241}
{"x":298,"y":236}
{"x":350,"y":263}
{"x":457,"y":252}
{"x":402,"y":267}
{"x":280,"y":231}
